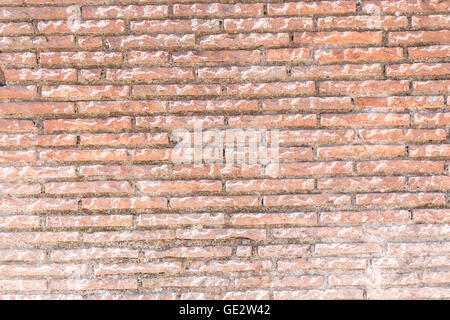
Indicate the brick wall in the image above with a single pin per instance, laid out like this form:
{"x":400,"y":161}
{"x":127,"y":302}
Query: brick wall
{"x":93,"y":206}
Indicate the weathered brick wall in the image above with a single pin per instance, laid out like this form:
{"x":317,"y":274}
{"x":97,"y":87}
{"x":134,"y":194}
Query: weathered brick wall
{"x":92,"y":205}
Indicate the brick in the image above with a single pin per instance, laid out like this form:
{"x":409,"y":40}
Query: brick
{"x":260,"y":219}
{"x":359,"y":184}
{"x":278,"y":186}
{"x":126,"y":107}
{"x":312,"y":8}
{"x":268,"y":24}
{"x":84,"y":155}
{"x":429,"y":151}
{"x":79,"y":92}
{"x":271,"y":89}
{"x":243,"y":73}
{"x":431,"y":87}
{"x":13,"y":28}
{"x":129,"y":12}
{"x":430,"y":21}
{"x":193,"y":25}
{"x":361,"y":151}
{"x":432,"y":216}
{"x":19,"y":59}
{"x":39,"y":238}
{"x":81,"y":58}
{"x":315,"y":168}
{"x":429,"y":183}
{"x":93,"y":284}
{"x":432,"y":119}
{"x":284,"y":250}
{"x":306,"y":200}
{"x":214,"y":202}
{"x":280,"y":282}
{"x":269,"y":121}
{"x":36,"y":108}
{"x":322,"y":263}
{"x":418,"y":70}
{"x":92,"y":254}
{"x":407,"y":293}
{"x":364,"y":217}
{"x":145,"y":74}
{"x":39,"y":13}
{"x":403,"y":6}
{"x":364,"y":120}
{"x":17,"y":156}
{"x":22,"y":255}
{"x":150,"y":41}
{"x":408,"y":200}
{"x":218,"y":10}
{"x":248,"y":40}
{"x":15,"y":126}
{"x":226,"y":56}
{"x":400,"y":167}
{"x":88,"y":187}
{"x":19,"y":222}
{"x":186,"y":282}
{"x":416,"y":135}
{"x":364,"y":88}
{"x":176,"y":90}
{"x":319,"y":233}
{"x":336,"y":71}
{"x":220,"y":234}
{"x":50,"y":270}
{"x":358,"y":55}
{"x":362,"y":22}
{"x":338,"y":294}
{"x":85,"y":27}
{"x":418,"y":248}
{"x":110,"y":124}
{"x":23,"y":285}
{"x":213,"y":106}
{"x":346,"y":38}
{"x":37,"y":205}
{"x":400,"y":103}
{"x":323,"y":249}
{"x":18,"y":92}
{"x":294,"y":104}
{"x":418,"y":37}
{"x":179,"y":186}
{"x":230,"y":266}
{"x":429,"y":52}
{"x":127,"y":236}
{"x":37,"y":42}
{"x":189,"y":252}
{"x":94,"y":204}
{"x":139,"y":268}
{"x":288,"y":54}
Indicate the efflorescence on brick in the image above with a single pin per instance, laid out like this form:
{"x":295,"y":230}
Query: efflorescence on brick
{"x":93,"y":207}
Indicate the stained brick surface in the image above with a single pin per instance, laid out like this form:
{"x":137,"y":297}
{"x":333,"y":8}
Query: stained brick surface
{"x":92,"y":205}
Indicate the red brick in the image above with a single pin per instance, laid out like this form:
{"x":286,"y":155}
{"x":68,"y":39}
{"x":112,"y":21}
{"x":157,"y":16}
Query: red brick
{"x":358,"y":55}
{"x":312,"y":8}
{"x":346,"y":38}
{"x":131,"y":11}
{"x":218,"y":9}
{"x":365,"y":88}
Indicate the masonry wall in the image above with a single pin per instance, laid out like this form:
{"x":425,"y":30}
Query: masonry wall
{"x":92,"y":205}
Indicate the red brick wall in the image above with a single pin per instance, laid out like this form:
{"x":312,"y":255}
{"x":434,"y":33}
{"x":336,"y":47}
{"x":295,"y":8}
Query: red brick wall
{"x":93,"y":206}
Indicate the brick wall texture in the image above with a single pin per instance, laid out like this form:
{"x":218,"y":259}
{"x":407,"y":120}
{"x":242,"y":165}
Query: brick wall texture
{"x":92,"y":205}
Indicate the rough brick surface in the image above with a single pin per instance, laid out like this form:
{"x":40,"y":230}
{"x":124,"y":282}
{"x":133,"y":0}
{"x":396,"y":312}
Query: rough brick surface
{"x":92,"y":205}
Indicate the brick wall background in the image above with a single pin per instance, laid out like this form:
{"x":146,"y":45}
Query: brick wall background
{"x":93,"y":207}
